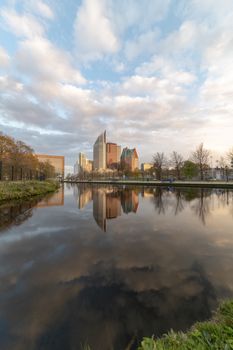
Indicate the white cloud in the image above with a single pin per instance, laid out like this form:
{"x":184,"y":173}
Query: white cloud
{"x":142,"y":14}
{"x":21,"y":25}
{"x":182,"y":39}
{"x":144,"y":44}
{"x":43,"y":9}
{"x":43,"y":61}
{"x":7,"y":84}
{"x":93,"y":30}
{"x":162,"y":67}
{"x":4,"y":57}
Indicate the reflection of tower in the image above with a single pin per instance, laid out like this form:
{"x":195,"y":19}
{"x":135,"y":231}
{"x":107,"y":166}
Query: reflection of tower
{"x":85,"y":196}
{"x":113,"y":205}
{"x":99,"y":207}
{"x":129,"y":201}
{"x":106,"y":205}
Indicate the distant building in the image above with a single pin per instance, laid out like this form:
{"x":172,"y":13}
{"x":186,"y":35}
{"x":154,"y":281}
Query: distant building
{"x":89,"y":165}
{"x":113,"y":155}
{"x":58,"y":162}
{"x":129,"y":159}
{"x":146,"y":166}
{"x":76,"y":168}
{"x":83,"y":164}
{"x":99,"y":152}
{"x":118,"y":154}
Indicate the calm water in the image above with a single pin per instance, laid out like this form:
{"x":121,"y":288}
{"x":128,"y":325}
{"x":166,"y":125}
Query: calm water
{"x":107,"y":265}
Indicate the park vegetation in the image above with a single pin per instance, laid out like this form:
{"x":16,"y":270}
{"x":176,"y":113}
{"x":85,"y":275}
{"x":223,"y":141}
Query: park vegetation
{"x":197,"y":166}
{"x":216,"y":334}
{"x":17,"y":190}
{"x":18,"y":161}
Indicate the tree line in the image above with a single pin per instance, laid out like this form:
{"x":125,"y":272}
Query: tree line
{"x":195,"y":167}
{"x":18,"y":161}
{"x":174,"y":166}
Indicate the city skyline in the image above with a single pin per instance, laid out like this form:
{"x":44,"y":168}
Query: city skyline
{"x":159,"y":79}
{"x":107,"y":156}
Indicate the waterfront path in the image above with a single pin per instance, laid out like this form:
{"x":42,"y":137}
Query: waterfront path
{"x":204,"y":184}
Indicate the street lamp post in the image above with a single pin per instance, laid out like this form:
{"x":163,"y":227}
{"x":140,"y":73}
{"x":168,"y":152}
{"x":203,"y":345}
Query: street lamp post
{"x":226,"y":172}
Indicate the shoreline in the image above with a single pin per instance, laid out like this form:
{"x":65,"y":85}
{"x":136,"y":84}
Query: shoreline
{"x":216,"y":333}
{"x":25,"y":190}
{"x":197,"y":184}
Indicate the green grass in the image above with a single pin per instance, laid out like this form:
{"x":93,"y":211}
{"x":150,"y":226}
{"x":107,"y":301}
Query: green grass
{"x":25,"y":189}
{"x":216,"y":334}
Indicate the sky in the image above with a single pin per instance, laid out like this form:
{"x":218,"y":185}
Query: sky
{"x":155,"y":74}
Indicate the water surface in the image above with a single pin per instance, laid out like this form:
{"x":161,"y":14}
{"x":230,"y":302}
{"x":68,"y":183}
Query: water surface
{"x":107,"y":265}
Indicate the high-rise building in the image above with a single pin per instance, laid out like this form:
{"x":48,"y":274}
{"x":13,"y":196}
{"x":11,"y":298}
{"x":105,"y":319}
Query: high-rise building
{"x":58,"y":162}
{"x":99,"y":152}
{"x":112,"y":155}
{"x":82,"y":162}
{"x":118,"y":154}
{"x":129,"y":159}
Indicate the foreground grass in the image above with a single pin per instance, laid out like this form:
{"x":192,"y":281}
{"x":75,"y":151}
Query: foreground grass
{"x":216,"y":334}
{"x":25,"y":189}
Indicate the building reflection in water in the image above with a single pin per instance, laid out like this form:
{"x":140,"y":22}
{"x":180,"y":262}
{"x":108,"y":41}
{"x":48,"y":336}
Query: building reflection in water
{"x":83,"y":195}
{"x":108,"y":202}
{"x":55,"y":199}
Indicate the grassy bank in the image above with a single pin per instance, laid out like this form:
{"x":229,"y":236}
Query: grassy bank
{"x":25,"y":189}
{"x":216,"y":334}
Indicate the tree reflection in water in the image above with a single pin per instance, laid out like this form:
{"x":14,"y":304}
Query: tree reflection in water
{"x":16,"y":212}
{"x":110,"y":201}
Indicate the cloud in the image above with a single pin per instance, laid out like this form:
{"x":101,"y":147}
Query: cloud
{"x":43,"y":9}
{"x":100,"y":26}
{"x":7,"y":84}
{"x":4,"y":58}
{"x":21,"y":25}
{"x":144,"y":43}
{"x":140,"y":14}
{"x":40,"y":59}
{"x":93,"y":30}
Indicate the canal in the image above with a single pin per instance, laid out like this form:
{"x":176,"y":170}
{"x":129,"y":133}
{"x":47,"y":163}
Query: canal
{"x":107,"y":265}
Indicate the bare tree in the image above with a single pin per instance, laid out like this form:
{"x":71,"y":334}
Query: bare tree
{"x":159,"y":162}
{"x":201,"y":157}
{"x":177,"y":162}
{"x":230,"y":156}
